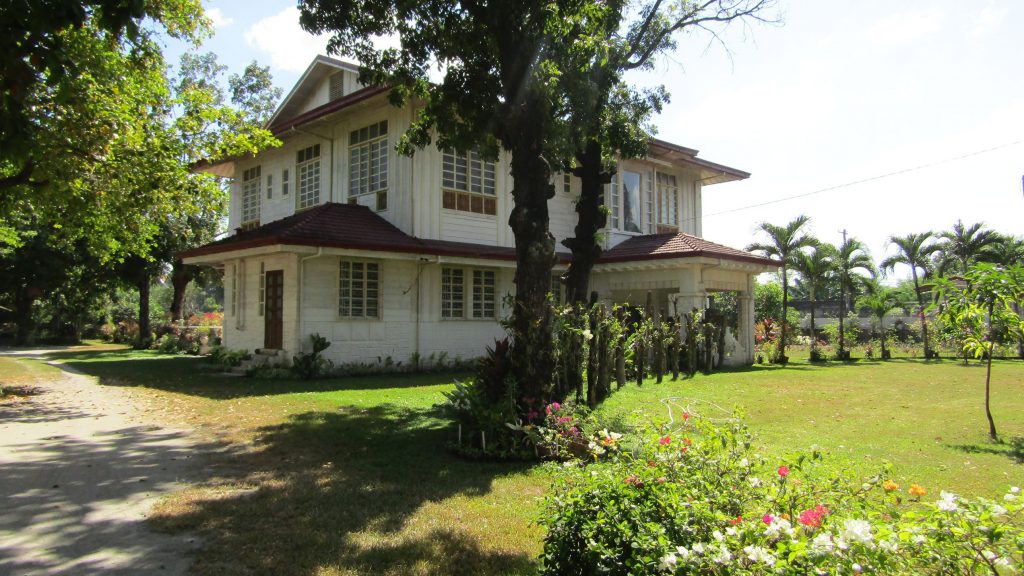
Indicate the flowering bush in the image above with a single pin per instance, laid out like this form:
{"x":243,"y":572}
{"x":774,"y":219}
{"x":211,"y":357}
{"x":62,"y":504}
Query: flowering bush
{"x":699,"y":500}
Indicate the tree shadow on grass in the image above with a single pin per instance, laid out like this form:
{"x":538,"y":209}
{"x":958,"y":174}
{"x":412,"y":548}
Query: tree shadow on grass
{"x":1013,"y":449}
{"x":338,"y":492}
{"x":195,"y":376}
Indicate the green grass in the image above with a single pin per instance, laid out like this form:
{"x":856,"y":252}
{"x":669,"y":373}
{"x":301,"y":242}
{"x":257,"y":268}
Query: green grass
{"x":349,"y":476}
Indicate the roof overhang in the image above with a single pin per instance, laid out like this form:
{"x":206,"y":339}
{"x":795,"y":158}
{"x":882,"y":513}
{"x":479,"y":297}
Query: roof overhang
{"x":708,"y":172}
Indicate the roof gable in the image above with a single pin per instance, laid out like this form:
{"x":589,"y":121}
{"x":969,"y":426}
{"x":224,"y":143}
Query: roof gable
{"x":306,"y":88}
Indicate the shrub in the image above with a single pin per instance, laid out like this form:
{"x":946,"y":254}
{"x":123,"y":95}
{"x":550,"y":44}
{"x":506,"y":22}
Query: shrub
{"x":313,"y":365}
{"x":227,"y":358}
{"x":699,"y":500}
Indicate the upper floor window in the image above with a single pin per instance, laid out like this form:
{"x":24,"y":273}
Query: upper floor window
{"x":358,"y":289}
{"x":630,"y":201}
{"x":368,"y":163}
{"x":668,"y":200}
{"x":467,"y":183}
{"x":307,"y":173}
{"x":285,"y":181}
{"x":251,"y":196}
{"x":270,"y":186}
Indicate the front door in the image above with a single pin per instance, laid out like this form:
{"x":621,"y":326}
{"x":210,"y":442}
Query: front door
{"x":274,"y":310}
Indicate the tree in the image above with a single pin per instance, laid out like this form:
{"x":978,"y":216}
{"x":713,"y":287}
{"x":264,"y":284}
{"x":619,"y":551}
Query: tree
{"x":850,"y":257}
{"x":767,"y":301}
{"x":1007,"y":250}
{"x":496,"y":91}
{"x":880,"y":300}
{"x":784,"y":243}
{"x":964,"y":245}
{"x":914,"y":251}
{"x":606,"y":116}
{"x":975,"y":308}
{"x":816,"y":267}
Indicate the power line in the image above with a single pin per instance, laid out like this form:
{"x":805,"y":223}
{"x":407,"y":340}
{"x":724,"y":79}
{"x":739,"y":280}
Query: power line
{"x":864,"y":180}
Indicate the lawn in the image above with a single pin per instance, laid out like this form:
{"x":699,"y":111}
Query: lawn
{"x":350,"y":476}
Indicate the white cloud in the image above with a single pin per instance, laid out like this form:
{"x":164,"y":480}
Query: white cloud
{"x":988,"y":20}
{"x":218,"y":18}
{"x":290,"y":47}
{"x":905,"y":28}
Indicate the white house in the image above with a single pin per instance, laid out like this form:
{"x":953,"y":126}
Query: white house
{"x":394,"y":256}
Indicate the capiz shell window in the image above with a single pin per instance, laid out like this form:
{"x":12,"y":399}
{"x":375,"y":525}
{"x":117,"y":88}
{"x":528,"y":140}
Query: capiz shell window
{"x":368,"y":163}
{"x":251,"y":196}
{"x":358,"y":289}
{"x":467,"y":183}
{"x":307,"y":172}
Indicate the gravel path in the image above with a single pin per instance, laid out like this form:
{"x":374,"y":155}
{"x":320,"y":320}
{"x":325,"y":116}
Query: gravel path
{"x":80,"y":467}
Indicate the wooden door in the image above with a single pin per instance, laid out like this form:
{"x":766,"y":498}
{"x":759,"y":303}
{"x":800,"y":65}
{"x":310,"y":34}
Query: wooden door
{"x":273,"y":311}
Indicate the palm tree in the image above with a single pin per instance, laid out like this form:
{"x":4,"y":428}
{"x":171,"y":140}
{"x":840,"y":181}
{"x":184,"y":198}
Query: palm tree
{"x":850,"y":257}
{"x":815,"y":267}
{"x":913,"y":251}
{"x":964,"y":244}
{"x":881,"y":300}
{"x":784,"y":242}
{"x":1005,"y":251}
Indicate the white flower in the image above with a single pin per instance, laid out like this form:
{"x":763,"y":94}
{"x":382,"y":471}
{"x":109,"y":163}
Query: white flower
{"x":1015,"y":490}
{"x":759,"y":554}
{"x":1004,"y":567}
{"x":920,"y":539}
{"x":998,"y":511}
{"x":698,"y":548}
{"x":731,"y":531}
{"x":587,"y":334}
{"x":865,"y":486}
{"x":822,"y":544}
{"x":857,"y":531}
{"x":889,"y":545}
{"x":718,"y":535}
{"x":856,"y":568}
{"x":777,"y":527}
{"x":723,"y":556}
{"x":948,"y":502}
{"x":754,"y":481}
{"x":989,"y":555}
{"x":745,"y":463}
{"x":684,"y":554}
{"x":668,"y":562}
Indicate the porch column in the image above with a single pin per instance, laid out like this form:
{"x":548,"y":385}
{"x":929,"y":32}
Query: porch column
{"x":691,"y":292}
{"x":746,"y":335}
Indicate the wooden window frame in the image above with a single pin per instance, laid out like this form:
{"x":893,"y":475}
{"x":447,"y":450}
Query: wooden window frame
{"x":469,"y":183}
{"x":368,"y":165}
{"x":370,"y":289}
{"x":308,"y":177}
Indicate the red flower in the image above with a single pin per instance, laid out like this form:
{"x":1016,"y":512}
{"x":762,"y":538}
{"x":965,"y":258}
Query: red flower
{"x":686,"y":416}
{"x":634,"y":481}
{"x":665,"y":440}
{"x":736,"y":520}
{"x":783,"y":470}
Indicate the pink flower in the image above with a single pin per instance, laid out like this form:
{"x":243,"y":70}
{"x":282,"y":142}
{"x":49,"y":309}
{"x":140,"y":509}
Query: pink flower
{"x":532,"y":415}
{"x":768,"y":519}
{"x":553,"y":407}
{"x":574,"y":431}
{"x":783,"y":470}
{"x":812,"y":516}
{"x":665,"y":440}
{"x":686,"y":416}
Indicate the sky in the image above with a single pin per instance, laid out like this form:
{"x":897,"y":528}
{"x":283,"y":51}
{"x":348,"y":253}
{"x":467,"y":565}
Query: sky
{"x":876,"y":117}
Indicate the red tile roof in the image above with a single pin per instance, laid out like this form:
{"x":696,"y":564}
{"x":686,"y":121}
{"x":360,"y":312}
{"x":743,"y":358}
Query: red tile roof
{"x":356,"y":227}
{"x":679,"y":245}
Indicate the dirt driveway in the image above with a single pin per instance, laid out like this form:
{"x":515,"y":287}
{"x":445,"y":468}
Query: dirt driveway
{"x":80,"y":467}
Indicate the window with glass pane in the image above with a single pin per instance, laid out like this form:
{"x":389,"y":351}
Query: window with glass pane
{"x":368,"y":163}
{"x":307,"y":172}
{"x":251,"y":195}
{"x":630,"y":201}
{"x":284,"y":182}
{"x":668,"y":200}
{"x":452,"y":293}
{"x":483,"y":294}
{"x":358,"y":289}
{"x":611,"y":194}
{"x":648,"y":200}
{"x":467,"y":183}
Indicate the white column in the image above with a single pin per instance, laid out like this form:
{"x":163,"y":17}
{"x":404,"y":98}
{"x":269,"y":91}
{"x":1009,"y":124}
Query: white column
{"x":746,"y":335}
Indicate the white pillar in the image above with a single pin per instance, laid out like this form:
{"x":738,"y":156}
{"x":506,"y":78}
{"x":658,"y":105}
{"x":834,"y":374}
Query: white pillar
{"x":746,"y":335}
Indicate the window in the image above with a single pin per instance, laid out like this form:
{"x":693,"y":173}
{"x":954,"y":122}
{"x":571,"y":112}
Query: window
{"x":467,"y":183}
{"x":566,"y":183}
{"x":483,"y":294}
{"x":630,"y":202}
{"x":234,"y":290}
{"x":307,"y":171}
{"x":556,"y":288}
{"x":270,"y":186}
{"x":612,"y":194}
{"x":263,"y":290}
{"x":668,"y":200}
{"x":452,"y":292}
{"x":285,"y":181}
{"x":648,"y":200}
{"x":368,"y":163}
{"x":251,"y":196}
{"x":358,"y":289}
{"x":481,"y":289}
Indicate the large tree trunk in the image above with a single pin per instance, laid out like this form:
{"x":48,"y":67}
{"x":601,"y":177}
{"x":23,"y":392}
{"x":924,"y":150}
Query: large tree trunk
{"x":532,"y":358}
{"x":23,"y":317}
{"x":591,"y":219}
{"x":181,"y":275}
{"x":143,"y":339}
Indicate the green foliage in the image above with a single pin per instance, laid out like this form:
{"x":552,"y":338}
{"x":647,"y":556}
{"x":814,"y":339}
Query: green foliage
{"x":698,"y":499}
{"x":226,"y":358}
{"x":851,"y":332}
{"x":309,"y":365}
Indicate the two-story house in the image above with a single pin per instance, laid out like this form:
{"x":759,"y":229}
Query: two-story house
{"x":393,"y":256}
